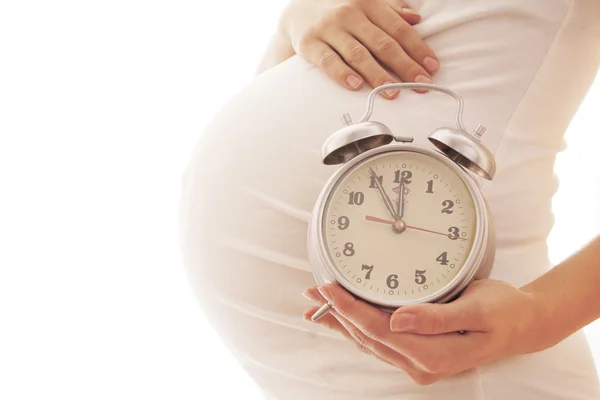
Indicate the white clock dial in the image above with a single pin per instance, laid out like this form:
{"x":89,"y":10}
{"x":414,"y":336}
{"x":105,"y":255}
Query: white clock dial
{"x":399,"y":253}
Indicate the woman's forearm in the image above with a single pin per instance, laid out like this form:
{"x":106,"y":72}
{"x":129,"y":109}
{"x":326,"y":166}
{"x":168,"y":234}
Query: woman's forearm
{"x":569,"y":295}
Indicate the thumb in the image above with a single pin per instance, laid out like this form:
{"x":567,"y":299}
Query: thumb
{"x":435,"y":319}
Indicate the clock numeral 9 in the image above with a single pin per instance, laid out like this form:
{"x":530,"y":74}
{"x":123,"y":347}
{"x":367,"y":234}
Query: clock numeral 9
{"x":420,"y":277}
{"x":448,"y":204}
{"x":369,"y":269}
{"x":392,"y":281}
{"x":404,"y":176}
{"x":343,"y":222}
{"x":356,"y":198}
{"x":453,"y":233}
{"x":349,"y":249}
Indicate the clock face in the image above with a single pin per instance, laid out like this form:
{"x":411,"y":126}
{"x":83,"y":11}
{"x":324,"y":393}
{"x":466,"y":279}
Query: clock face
{"x":399,"y":226}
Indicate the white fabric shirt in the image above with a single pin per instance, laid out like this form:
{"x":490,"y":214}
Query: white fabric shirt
{"x":523,"y":67}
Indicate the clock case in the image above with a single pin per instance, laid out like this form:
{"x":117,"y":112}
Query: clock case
{"x":455,"y":147}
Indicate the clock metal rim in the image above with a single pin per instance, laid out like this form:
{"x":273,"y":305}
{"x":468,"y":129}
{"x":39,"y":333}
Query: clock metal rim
{"x":476,"y":266}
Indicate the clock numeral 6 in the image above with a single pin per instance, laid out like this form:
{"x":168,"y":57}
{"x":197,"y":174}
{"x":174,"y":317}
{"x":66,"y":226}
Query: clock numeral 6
{"x":349,"y":249}
{"x":453,"y":233}
{"x":369,"y":269}
{"x":343,"y":222}
{"x":420,"y":277}
{"x":392,"y":281}
{"x":448,"y":204}
{"x":356,"y":198}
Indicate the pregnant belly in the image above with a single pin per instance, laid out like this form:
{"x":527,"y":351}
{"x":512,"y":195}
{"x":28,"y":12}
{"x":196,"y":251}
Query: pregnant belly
{"x":246,"y":202}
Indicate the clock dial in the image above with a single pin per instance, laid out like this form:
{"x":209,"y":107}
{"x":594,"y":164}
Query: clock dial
{"x":400,"y":225}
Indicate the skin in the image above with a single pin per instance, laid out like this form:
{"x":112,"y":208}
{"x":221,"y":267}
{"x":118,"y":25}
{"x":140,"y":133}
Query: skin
{"x":500,"y":320}
{"x":354,"y":41}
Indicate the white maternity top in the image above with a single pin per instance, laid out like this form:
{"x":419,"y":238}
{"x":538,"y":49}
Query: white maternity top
{"x":522,"y":66}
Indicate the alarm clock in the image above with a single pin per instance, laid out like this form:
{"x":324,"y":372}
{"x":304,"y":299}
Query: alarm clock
{"x":400,"y":223}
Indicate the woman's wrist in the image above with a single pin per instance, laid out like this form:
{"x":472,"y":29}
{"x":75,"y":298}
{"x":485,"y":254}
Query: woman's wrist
{"x":566,"y":297}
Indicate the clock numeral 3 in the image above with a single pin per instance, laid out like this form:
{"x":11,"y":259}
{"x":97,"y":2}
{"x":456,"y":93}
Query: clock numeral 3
{"x":343,"y":222}
{"x":369,"y":269}
{"x":448,"y":204}
{"x":443,"y":258}
{"x":356,"y":198}
{"x":392,"y":281}
{"x":420,"y":277}
{"x":349,"y":249}
{"x":453,"y":233}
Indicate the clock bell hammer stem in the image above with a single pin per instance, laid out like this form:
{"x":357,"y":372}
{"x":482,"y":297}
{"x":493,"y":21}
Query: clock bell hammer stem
{"x":321,"y":312}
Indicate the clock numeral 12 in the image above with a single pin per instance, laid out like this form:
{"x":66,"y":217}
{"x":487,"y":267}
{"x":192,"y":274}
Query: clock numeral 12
{"x":404,"y":176}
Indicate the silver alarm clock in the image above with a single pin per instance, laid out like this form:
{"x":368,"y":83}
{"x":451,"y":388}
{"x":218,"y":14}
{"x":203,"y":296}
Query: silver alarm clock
{"x":399,"y":223}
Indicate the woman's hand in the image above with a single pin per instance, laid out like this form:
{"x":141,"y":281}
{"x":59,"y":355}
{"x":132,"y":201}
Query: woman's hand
{"x":357,"y":40}
{"x":423,"y":340}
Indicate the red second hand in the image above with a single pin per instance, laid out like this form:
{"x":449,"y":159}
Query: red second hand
{"x":383,"y":221}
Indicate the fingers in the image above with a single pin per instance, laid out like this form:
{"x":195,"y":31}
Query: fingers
{"x":365,"y":343}
{"x":327,"y":60}
{"x":371,"y":321}
{"x":407,"y":13}
{"x":368,"y":41}
{"x":417,"y":59}
{"x":360,"y":59}
{"x":425,"y":357}
{"x":334,"y":321}
{"x":435,"y":319}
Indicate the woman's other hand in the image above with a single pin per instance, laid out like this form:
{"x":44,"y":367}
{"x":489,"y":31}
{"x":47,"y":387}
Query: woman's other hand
{"x":354,"y":41}
{"x":423,"y":340}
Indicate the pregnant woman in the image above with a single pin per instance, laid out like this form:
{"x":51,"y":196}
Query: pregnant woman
{"x":522,"y":67}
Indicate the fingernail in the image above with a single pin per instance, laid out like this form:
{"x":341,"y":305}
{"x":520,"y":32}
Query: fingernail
{"x":310,"y":295}
{"x":306,"y":317}
{"x":391,"y":93}
{"x":353,"y":81}
{"x":409,"y":10}
{"x":431,"y":65}
{"x":325,"y":293}
{"x":403,"y":322}
{"x":422,"y":79}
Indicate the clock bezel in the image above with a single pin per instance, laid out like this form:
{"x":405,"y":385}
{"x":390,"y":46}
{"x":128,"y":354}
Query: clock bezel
{"x":476,"y":266}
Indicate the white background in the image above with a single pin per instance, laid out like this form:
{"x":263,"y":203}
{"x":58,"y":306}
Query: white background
{"x":101,"y":103}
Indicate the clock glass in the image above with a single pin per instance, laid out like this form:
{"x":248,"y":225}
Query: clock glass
{"x":399,"y":225}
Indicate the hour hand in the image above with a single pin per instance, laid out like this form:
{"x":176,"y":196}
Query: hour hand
{"x":386,"y":199}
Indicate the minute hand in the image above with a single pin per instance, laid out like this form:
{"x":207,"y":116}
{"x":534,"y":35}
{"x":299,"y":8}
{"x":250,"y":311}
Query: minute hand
{"x":386,"y":199}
